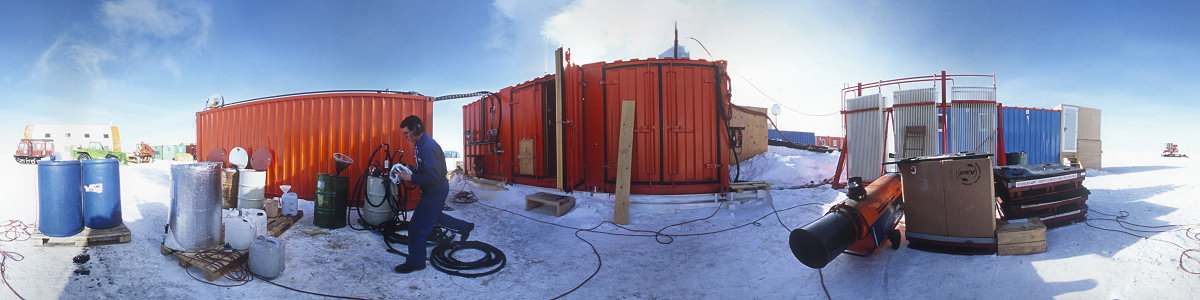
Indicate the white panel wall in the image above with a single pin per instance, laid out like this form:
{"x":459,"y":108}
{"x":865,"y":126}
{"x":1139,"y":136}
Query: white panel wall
{"x":865,"y":137}
{"x":973,"y":125}
{"x":922,"y":114}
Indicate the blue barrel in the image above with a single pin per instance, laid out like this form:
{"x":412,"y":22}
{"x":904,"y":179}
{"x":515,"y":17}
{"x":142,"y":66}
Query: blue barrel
{"x":101,"y":193}
{"x":60,"y":211}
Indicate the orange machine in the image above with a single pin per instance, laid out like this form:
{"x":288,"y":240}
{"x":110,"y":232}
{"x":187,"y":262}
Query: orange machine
{"x":857,"y":226}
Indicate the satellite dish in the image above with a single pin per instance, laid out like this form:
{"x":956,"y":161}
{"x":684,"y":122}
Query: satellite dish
{"x":216,"y":100}
{"x":776,"y":109}
{"x":238,"y":157}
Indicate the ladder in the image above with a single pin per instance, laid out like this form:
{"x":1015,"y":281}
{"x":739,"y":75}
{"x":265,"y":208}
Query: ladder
{"x":914,"y":140}
{"x":1071,"y":159}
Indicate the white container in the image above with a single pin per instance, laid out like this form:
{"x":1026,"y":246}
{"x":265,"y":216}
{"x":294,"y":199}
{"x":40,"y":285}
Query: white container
{"x":272,"y":207}
{"x":239,"y":233}
{"x":376,"y":210}
{"x":257,"y":217}
{"x":267,"y":256}
{"x":251,"y":189}
{"x":288,"y":204}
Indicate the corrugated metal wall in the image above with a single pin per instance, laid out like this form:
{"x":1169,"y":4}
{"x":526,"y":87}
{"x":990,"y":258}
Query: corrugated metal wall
{"x":973,"y":120}
{"x":798,"y":137}
{"x":1034,"y":131}
{"x":915,"y":108}
{"x":303,"y":132}
{"x":864,"y":136}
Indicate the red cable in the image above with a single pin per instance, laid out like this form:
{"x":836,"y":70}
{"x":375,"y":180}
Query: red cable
{"x":4,"y":256}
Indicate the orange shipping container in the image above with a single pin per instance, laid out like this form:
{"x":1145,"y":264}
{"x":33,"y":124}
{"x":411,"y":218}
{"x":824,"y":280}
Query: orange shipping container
{"x":303,"y":131}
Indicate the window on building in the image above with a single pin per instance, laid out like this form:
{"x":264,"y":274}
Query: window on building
{"x":87,"y":135}
{"x":835,"y":143}
{"x":106,"y":135}
{"x":47,"y":135}
{"x":68,"y":134}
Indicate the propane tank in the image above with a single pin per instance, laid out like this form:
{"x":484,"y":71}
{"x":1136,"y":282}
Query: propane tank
{"x":266,"y":257}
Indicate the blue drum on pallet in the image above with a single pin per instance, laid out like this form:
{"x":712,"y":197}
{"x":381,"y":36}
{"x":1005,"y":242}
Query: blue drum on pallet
{"x":101,"y":193}
{"x":60,"y":211}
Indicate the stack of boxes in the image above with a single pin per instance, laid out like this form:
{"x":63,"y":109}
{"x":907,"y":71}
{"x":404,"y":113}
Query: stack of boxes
{"x":1052,"y":192}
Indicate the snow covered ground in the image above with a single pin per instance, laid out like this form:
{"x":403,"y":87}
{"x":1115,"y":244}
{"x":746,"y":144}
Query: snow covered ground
{"x":544,"y":261}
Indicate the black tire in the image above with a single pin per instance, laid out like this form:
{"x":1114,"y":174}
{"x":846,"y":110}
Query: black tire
{"x":894,"y":238}
{"x":110,"y":156}
{"x":84,"y":156}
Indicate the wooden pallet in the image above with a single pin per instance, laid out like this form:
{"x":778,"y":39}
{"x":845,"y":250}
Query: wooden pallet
{"x":278,"y":225}
{"x":87,"y":237}
{"x":561,"y":204}
{"x":494,"y":184}
{"x":749,"y":186}
{"x":214,"y":262}
{"x":217,"y":265}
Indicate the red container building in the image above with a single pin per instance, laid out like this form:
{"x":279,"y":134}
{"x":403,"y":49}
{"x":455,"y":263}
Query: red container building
{"x":680,"y":132}
{"x":304,"y":130}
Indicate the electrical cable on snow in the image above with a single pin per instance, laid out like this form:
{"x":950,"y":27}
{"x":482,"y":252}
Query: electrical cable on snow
{"x":240,"y":274}
{"x":4,"y":257}
{"x":16,"y":230}
{"x":1120,"y":218}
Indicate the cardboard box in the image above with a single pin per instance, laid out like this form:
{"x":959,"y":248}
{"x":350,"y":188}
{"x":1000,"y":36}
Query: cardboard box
{"x":950,"y":196}
{"x":1017,"y":237}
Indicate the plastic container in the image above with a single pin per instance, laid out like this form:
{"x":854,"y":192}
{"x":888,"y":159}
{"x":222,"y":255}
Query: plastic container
{"x":239,"y":233}
{"x":101,"y":193}
{"x":60,"y":211}
{"x":376,"y":210}
{"x":267,"y":256}
{"x":258,"y":218}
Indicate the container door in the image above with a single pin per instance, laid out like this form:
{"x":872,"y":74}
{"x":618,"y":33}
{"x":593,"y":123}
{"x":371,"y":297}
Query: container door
{"x":1070,"y":129}
{"x":690,"y":133}
{"x":638,"y":83}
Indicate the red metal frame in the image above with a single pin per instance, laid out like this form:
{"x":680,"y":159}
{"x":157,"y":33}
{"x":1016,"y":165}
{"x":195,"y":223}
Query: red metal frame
{"x":940,"y":79}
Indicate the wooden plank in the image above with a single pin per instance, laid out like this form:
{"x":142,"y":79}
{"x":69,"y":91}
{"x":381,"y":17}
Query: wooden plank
{"x":754,"y":136}
{"x":562,"y":204}
{"x":278,"y":225}
{"x":88,"y":237}
{"x":1021,"y":248}
{"x":214,"y":262}
{"x":624,"y":156}
{"x":558,"y":116}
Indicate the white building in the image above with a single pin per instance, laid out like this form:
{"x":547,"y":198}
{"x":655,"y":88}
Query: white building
{"x":67,"y":136}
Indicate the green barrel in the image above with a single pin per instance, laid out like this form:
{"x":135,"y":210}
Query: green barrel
{"x":331,"y":201}
{"x":1016,"y":158}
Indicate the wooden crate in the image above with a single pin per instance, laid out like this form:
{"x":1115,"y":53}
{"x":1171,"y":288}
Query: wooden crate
{"x":215,"y":263}
{"x":561,"y":204}
{"x":1016,"y":237}
{"x":87,"y":237}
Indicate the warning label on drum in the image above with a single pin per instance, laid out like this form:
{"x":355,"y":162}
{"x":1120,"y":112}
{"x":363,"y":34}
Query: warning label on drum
{"x":94,"y":188}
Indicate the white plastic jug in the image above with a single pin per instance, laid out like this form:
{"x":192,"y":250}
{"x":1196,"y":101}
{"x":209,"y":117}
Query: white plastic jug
{"x":257,"y":217}
{"x":239,"y":233}
{"x":266,"y":256}
{"x":288,"y":205}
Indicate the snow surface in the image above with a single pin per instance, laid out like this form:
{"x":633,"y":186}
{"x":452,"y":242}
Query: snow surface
{"x":545,"y":261}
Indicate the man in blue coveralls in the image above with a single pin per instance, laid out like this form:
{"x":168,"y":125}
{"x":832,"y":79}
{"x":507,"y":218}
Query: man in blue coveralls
{"x":430,"y":174}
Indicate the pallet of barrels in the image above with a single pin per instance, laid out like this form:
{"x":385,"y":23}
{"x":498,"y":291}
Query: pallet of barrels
{"x":79,"y":203}
{"x":1054,"y":193}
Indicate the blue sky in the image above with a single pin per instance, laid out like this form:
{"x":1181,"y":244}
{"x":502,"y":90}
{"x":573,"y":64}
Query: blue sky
{"x":147,"y":66}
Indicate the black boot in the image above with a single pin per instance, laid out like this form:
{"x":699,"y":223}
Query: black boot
{"x":466,"y":233}
{"x":407,"y":268}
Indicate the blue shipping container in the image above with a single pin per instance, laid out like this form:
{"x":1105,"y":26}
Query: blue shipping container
{"x":1034,"y":131}
{"x":798,"y":137}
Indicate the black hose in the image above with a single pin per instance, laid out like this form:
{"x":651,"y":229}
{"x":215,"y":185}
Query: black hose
{"x":442,"y":259}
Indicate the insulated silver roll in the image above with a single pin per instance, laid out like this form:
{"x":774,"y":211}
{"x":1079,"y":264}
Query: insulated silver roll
{"x":195,"y":220}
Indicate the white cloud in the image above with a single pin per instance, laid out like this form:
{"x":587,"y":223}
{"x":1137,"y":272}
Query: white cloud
{"x":72,"y":62}
{"x":152,"y":19}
